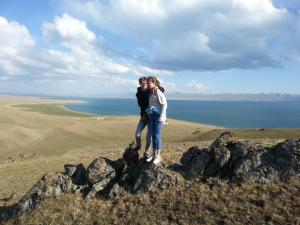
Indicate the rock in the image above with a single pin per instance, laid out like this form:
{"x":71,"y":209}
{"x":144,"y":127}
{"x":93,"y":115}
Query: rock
{"x":116,"y":191}
{"x":150,"y":177}
{"x":99,"y":186}
{"x":99,"y":169}
{"x":219,"y":148}
{"x":287,"y":157}
{"x":188,"y":156}
{"x":50,"y":185}
{"x":221,"y":155}
{"x":131,"y":155}
{"x":103,"y":174}
{"x":239,"y":161}
{"x":77,"y":173}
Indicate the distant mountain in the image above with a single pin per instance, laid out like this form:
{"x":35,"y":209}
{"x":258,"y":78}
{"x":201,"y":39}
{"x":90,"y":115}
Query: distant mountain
{"x":235,"y":97}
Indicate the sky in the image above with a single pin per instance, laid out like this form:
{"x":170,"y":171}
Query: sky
{"x":102,"y":47}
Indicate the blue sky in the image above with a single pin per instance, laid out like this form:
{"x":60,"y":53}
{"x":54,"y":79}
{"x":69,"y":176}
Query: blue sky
{"x":100,"y":48}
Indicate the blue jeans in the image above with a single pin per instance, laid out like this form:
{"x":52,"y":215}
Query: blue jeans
{"x":155,"y":129}
{"x":139,"y":129}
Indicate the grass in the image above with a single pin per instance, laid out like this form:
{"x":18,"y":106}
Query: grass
{"x":51,"y":109}
{"x":59,"y":136}
{"x":40,"y":142}
{"x":271,"y":203}
{"x":272,"y":133}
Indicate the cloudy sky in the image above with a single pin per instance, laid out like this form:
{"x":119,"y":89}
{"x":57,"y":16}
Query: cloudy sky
{"x":101,"y":47}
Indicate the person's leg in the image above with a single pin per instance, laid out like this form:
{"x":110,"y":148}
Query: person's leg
{"x":148,"y":139}
{"x":158,"y":131}
{"x":141,"y":125}
{"x":151,"y":130}
{"x":157,"y":136}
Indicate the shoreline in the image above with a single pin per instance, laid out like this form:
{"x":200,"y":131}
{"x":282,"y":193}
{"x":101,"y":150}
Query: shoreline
{"x":63,"y":105}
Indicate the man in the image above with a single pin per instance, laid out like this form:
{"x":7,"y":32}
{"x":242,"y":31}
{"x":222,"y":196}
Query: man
{"x":142,"y":96}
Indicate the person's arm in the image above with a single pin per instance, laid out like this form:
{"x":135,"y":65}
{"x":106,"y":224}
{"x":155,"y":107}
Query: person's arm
{"x":161,"y":89}
{"x":138,"y":97}
{"x":163,"y":101}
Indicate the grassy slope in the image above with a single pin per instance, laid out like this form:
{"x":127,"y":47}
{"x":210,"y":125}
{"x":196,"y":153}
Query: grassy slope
{"x":62,"y":138}
{"x":290,"y":133}
{"x":271,"y":203}
{"x":69,"y":138}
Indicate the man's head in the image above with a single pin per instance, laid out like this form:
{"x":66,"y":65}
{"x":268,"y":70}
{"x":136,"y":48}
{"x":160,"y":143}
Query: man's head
{"x":143,"y":83}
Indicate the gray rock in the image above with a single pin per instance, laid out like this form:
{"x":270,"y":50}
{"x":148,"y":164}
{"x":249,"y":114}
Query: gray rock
{"x":189,"y":155}
{"x":240,"y":161}
{"x":221,"y":155}
{"x":50,"y":185}
{"x":99,"y":169}
{"x":150,"y":177}
{"x":77,"y":173}
{"x":131,"y":155}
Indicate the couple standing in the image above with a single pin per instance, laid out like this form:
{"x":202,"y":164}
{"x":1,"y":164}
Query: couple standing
{"x":153,"y":105}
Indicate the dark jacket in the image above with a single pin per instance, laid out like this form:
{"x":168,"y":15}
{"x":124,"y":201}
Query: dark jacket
{"x":143,"y":99}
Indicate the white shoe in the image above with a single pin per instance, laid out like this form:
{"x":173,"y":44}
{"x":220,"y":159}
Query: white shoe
{"x":156,"y":160}
{"x":149,"y":159}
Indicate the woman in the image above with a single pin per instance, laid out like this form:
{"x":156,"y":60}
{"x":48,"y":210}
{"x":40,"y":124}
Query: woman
{"x":157,"y":112}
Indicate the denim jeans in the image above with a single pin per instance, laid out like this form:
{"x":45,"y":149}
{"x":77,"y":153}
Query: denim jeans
{"x":155,"y":129}
{"x":138,"y":133}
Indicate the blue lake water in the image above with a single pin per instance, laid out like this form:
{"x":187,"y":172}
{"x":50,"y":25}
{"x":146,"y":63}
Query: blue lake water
{"x":235,"y":114}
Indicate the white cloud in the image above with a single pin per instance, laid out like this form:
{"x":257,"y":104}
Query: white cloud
{"x":66,"y":29}
{"x":198,"y":34}
{"x":196,"y":87}
{"x":74,"y":52}
{"x":15,"y":43}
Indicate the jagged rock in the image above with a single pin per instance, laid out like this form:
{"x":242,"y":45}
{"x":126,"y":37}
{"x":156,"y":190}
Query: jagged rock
{"x":50,"y":185}
{"x":195,"y":161}
{"x":99,"y":186}
{"x":103,"y":174}
{"x":219,"y":148}
{"x":151,"y":176}
{"x":189,"y":155}
{"x":238,"y":161}
{"x":116,"y":191}
{"x":101,"y":168}
{"x":77,"y":173}
{"x":287,"y":157}
{"x":131,"y":155}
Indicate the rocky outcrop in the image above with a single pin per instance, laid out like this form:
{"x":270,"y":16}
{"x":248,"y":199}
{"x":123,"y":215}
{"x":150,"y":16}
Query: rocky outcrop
{"x":103,"y":178}
{"x":239,"y":161}
{"x":227,"y":158}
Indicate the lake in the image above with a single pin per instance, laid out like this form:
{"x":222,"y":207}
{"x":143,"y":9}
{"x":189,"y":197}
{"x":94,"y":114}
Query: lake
{"x":229,"y":114}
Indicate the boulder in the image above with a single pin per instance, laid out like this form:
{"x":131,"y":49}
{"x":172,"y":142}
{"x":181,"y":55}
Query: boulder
{"x":150,"y":177}
{"x":103,"y":174}
{"x":240,"y":160}
{"x":99,"y":169}
{"x":50,"y":185}
{"x":77,"y":173}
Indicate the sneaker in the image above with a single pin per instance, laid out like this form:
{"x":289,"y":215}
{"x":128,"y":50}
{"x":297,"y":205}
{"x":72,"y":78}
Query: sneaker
{"x":149,"y":159}
{"x":156,"y":160}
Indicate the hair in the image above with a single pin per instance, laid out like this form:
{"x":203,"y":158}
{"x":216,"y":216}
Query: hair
{"x":153,"y":80}
{"x":142,"y":79}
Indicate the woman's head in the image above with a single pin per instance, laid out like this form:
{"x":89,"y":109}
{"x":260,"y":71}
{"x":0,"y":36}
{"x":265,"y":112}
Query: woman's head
{"x":152,"y":82}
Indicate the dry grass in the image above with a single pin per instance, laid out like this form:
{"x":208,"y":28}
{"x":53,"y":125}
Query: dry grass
{"x":59,"y":138}
{"x":37,"y":142}
{"x":272,"y":203}
{"x":265,"y":134}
